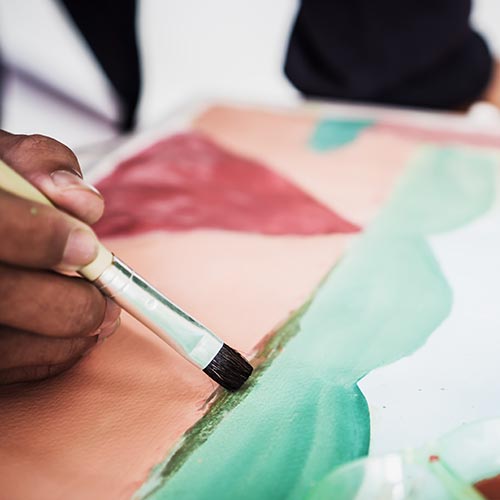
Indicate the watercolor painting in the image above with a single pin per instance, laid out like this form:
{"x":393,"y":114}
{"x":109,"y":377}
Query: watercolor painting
{"x":315,"y":244}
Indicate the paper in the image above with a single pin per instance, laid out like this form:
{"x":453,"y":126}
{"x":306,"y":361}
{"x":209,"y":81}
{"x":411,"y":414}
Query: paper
{"x":306,"y":251}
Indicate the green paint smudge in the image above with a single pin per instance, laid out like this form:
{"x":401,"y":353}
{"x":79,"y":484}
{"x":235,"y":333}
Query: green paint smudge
{"x":223,"y":403}
{"x":335,"y":133}
{"x":443,"y":189}
{"x":303,"y":413}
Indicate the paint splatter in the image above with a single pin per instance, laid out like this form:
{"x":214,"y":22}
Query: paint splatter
{"x":305,"y":413}
{"x":335,"y":133}
{"x":188,"y":182}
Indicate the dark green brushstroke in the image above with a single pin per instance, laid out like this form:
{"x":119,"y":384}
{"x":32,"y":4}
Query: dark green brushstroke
{"x":225,"y":401}
{"x":334,"y":133}
{"x":304,"y":413}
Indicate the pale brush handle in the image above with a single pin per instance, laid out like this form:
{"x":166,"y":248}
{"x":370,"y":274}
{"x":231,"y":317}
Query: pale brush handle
{"x":16,"y":184}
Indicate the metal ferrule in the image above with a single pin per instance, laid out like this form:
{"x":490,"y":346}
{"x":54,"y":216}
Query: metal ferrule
{"x":136,"y":296}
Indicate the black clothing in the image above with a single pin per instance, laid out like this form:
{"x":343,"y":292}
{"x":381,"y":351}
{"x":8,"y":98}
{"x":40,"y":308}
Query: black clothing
{"x":109,"y":28}
{"x":406,"y":52}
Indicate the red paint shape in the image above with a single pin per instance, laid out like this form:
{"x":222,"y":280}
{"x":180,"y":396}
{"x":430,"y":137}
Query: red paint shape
{"x":188,"y":182}
{"x":440,"y":136}
{"x":489,"y":488}
{"x":433,"y":458}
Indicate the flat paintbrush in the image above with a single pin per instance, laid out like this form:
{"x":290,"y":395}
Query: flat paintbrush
{"x":136,"y":296}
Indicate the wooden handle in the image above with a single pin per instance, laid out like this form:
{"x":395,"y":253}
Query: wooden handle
{"x":16,"y":184}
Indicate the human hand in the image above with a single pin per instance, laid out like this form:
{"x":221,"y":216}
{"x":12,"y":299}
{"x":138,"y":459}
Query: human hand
{"x":48,"y":321}
{"x":492,"y":94}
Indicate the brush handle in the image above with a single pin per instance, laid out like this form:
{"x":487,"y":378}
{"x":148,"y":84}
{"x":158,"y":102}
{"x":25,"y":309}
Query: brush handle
{"x":182,"y":332}
{"x":16,"y":184}
{"x":187,"y":336}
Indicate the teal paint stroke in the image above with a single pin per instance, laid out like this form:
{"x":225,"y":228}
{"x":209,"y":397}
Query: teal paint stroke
{"x":305,"y":414}
{"x":335,"y":133}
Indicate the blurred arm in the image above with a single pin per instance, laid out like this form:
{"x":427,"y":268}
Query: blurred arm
{"x":412,"y":52}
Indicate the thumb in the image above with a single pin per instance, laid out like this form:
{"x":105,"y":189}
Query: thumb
{"x":53,"y":168}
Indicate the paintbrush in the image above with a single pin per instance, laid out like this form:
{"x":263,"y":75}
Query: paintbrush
{"x":135,"y":295}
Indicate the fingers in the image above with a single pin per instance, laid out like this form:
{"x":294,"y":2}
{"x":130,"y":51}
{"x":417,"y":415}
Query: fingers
{"x":25,"y":357}
{"x":53,"y":305}
{"x":33,"y":373}
{"x":23,"y":349}
{"x":48,"y":321}
{"x":53,"y":168}
{"x":35,"y":235}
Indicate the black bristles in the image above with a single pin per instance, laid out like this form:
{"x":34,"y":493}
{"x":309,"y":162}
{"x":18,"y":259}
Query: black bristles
{"x":229,"y":368}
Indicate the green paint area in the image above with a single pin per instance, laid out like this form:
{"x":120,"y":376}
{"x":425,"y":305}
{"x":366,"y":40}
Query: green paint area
{"x":335,"y":133}
{"x":303,"y":413}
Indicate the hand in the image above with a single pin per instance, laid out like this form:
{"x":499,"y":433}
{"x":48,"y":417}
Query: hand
{"x":48,"y":321}
{"x":492,"y":94}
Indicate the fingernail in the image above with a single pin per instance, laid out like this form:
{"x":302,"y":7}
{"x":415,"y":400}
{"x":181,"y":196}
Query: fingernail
{"x":81,"y":249}
{"x":108,"y":330}
{"x":111,"y":316}
{"x":66,"y":180}
{"x":113,"y":310}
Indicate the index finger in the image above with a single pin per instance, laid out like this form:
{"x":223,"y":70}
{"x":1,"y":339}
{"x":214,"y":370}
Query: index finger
{"x":54,"y":169}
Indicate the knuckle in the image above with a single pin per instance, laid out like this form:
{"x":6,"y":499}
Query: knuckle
{"x":88,"y":312}
{"x":26,"y":151}
{"x":43,"y":144}
{"x":35,"y":140}
{"x":49,"y":235}
{"x":7,"y":286}
{"x":75,"y":348}
{"x":34,"y":373}
{"x":27,"y":374}
{"x":32,"y":232}
{"x":42,"y":372}
{"x":49,"y":371}
{"x":38,"y":142}
{"x":29,"y":144}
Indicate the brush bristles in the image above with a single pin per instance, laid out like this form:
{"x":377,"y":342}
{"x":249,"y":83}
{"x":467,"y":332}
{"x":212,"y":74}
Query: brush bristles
{"x":229,"y":368}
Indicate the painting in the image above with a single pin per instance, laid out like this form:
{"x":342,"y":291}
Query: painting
{"x":346,"y":256}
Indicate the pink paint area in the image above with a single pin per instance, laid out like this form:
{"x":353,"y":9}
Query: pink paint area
{"x":440,"y":136}
{"x":97,"y":431}
{"x":188,"y":182}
